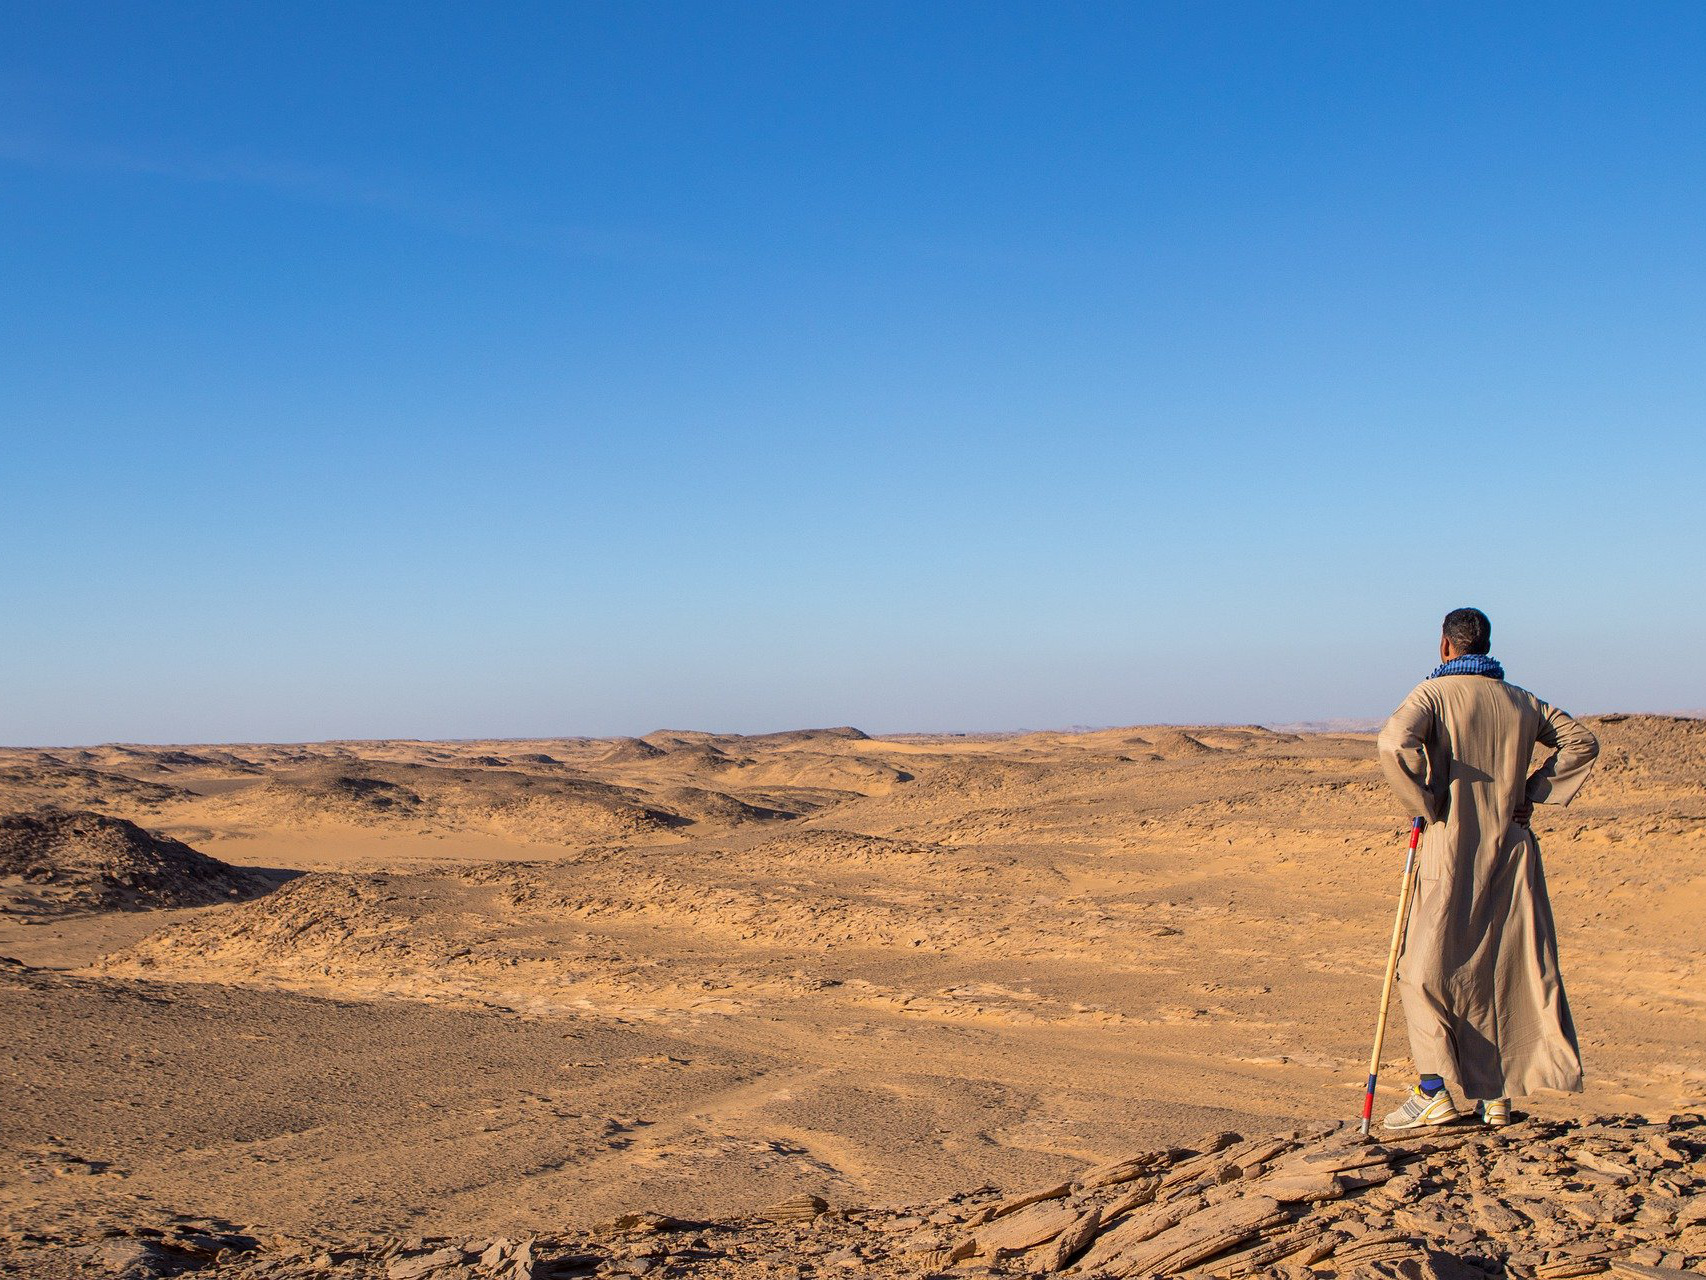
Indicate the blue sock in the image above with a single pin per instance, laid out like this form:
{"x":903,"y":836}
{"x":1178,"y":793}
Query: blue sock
{"x":1431,"y":1085}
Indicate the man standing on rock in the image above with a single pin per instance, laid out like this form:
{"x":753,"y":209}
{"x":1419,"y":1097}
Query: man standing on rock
{"x":1479,"y":969}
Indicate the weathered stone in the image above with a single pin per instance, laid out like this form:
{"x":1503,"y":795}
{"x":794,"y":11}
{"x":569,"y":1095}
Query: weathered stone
{"x":906,"y":1222}
{"x":1623,"y":1172}
{"x":1296,"y":1187}
{"x":1013,"y":1204}
{"x":1141,"y":1194}
{"x":1409,"y":1184}
{"x":1200,"y":1237}
{"x":1073,"y":1240}
{"x":1627,"y":1270}
{"x":210,"y":1244}
{"x":1494,"y":1217}
{"x":413,"y":1266}
{"x":1314,"y":1251}
{"x":1568,"y":1268}
{"x":1417,"y":1220}
{"x":937,"y":1259}
{"x":1198,"y":1165}
{"x":801,"y":1208}
{"x":1296,"y":1242}
{"x":647,"y":1221}
{"x":1259,"y":1151}
{"x":1375,"y":1248}
{"x":1115,"y":1172}
{"x":129,"y":1259}
{"x":1133,"y":1231}
{"x":1669,"y":1154}
{"x":1340,"y":1160}
{"x":1311,"y":1188}
{"x":1658,"y":1209}
{"x":1026,"y":1229}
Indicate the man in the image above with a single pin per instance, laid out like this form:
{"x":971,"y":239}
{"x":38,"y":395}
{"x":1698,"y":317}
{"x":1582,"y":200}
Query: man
{"x":1479,"y":969}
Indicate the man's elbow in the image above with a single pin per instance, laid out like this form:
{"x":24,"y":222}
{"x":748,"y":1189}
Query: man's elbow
{"x":1390,"y":741}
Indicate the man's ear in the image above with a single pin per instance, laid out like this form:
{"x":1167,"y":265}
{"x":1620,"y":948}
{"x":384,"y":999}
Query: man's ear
{"x":1444,"y":649}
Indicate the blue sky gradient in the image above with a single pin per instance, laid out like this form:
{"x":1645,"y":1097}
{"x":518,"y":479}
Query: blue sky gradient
{"x":467,"y":370}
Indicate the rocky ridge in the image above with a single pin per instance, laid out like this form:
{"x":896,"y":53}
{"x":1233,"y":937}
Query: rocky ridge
{"x":58,"y":861}
{"x":1535,"y":1201}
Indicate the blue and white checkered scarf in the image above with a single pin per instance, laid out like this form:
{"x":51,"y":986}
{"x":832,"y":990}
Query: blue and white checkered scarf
{"x":1470,"y":664}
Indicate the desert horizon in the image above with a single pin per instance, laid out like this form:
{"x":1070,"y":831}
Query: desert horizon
{"x":1365,"y":725}
{"x":509,"y":989}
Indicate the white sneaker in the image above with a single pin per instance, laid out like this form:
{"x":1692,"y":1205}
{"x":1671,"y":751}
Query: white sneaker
{"x":1421,"y":1110}
{"x":1495,"y":1112}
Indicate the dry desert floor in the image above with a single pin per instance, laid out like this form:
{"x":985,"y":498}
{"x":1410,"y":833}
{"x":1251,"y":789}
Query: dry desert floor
{"x":447,"y":990}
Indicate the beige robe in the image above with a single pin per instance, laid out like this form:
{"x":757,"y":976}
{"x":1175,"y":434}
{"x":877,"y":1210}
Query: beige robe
{"x":1479,"y":970}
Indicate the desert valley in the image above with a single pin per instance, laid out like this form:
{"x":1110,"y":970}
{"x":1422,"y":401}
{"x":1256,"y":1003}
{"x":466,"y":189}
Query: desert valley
{"x":804,"y":1002}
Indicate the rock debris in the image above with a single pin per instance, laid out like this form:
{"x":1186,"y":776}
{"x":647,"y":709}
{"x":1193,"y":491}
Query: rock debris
{"x":1615,"y":1195}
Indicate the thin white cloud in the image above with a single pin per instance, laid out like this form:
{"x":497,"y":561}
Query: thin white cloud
{"x":462,"y":215}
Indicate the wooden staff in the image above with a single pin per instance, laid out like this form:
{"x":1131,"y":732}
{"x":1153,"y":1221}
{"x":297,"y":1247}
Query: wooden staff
{"x":1404,"y":896}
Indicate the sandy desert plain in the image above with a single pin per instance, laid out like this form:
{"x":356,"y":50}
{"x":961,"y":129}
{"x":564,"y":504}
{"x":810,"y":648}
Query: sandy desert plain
{"x":808,"y":1003}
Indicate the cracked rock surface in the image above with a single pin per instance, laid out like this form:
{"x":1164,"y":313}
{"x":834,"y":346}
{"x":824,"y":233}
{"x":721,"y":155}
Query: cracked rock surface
{"x":1535,"y":1201}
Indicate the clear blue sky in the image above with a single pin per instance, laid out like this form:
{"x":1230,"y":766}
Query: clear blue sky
{"x":566,"y":368}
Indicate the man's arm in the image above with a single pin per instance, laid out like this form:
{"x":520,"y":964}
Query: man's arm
{"x":1558,"y":780}
{"x":1403,"y":755}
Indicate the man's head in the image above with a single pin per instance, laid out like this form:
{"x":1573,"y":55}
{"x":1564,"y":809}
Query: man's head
{"x":1465,"y":631}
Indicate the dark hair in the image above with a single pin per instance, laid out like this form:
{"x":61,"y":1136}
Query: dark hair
{"x":1468,"y":631}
